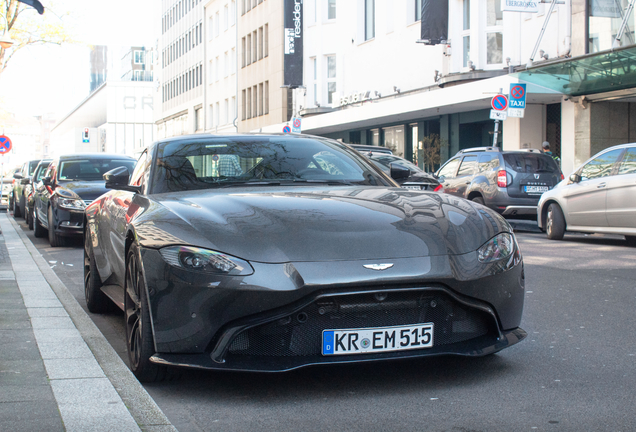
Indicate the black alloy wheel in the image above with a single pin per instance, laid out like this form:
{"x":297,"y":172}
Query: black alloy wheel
{"x":38,"y":229}
{"x":555,"y":222}
{"x":139,"y":339}
{"x":54,"y":239}
{"x":631,"y":240}
{"x":96,"y":300}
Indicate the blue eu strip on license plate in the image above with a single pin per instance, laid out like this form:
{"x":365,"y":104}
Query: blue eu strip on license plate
{"x":380,"y":339}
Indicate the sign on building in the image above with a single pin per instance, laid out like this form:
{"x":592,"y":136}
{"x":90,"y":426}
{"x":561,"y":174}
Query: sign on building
{"x":531,"y":6}
{"x":293,"y":43}
{"x":517,"y":97}
{"x":605,"y":8}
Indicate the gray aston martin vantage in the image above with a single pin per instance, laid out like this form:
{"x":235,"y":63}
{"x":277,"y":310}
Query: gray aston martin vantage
{"x":273,"y":252}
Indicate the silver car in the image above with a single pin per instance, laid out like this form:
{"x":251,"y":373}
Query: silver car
{"x":599,"y":197}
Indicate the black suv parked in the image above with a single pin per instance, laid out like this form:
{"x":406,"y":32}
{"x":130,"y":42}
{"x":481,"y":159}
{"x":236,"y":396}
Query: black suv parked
{"x":510,"y":182}
{"x":70,"y":183}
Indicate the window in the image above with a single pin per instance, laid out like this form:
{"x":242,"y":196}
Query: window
{"x":248,"y":50}
{"x":233,"y":66}
{"x":225,"y":17}
{"x":628,"y":166}
{"x":233,"y":12}
{"x":369,"y":19}
{"x":210,"y":28}
{"x":260,"y":99}
{"x":217,"y":22}
{"x":217,"y":114}
{"x":216,"y":69}
{"x":265,"y":42}
{"x":226,"y":61}
{"x":255,"y":43}
{"x":255,"y":93}
{"x":449,"y":169}
{"x":494,"y":35}
{"x":468,"y":166}
{"x":331,"y":78}
{"x":266,"y":97}
{"x":198,"y":117}
{"x":314,"y":62}
{"x":331,"y":9}
{"x":226,"y":112}
{"x":260,"y":41}
{"x":601,"y":166}
{"x":249,"y":103}
{"x":418,"y":10}
{"x":466,"y":33}
{"x":244,"y":100}
{"x":243,"y":58}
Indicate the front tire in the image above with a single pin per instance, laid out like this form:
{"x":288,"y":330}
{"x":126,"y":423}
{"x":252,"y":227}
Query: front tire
{"x":38,"y":230}
{"x":54,"y":239}
{"x":555,"y":222}
{"x":96,"y":300}
{"x":16,"y":209}
{"x":139,"y":339}
{"x":631,"y":240}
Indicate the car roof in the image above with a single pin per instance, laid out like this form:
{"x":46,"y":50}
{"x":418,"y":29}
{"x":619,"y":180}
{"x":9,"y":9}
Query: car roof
{"x":94,"y":156}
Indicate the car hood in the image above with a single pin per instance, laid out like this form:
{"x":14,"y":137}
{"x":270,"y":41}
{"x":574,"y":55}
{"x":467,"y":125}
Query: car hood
{"x":307,"y":224}
{"x":86,"y":190}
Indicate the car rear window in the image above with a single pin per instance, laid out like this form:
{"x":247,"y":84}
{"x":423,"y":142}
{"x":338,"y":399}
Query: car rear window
{"x":531,"y":163}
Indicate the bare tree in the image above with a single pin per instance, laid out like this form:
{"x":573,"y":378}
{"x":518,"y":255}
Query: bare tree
{"x":26,"y":27}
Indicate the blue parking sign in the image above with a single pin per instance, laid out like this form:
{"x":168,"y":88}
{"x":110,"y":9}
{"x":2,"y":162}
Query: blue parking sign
{"x":517,"y":97}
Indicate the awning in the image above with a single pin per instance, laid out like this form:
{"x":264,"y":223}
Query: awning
{"x":602,"y":72}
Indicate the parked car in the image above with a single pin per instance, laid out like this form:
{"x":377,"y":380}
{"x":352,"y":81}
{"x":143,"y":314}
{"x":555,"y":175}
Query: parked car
{"x":417,"y":179}
{"x":70,"y":183}
{"x":364,"y":149}
{"x":30,"y":189}
{"x":7,"y":188}
{"x":249,"y":255}
{"x":599,"y":197}
{"x":23,"y":177}
{"x":13,"y":182}
{"x":509,"y":182}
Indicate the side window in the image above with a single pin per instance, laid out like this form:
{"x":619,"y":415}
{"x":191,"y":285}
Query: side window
{"x":449,"y":169}
{"x":628,"y":166}
{"x":600,"y":166}
{"x":468,"y":166}
{"x":137,"y":177}
{"x":50,"y":172}
{"x":485,"y":162}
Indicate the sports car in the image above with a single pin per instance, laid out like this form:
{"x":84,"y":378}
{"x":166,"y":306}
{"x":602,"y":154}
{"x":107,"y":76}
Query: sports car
{"x":274,"y":252}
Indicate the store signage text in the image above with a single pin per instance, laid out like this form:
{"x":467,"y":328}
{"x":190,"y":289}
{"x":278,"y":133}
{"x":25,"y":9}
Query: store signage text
{"x":520,"y":6}
{"x":355,"y":98}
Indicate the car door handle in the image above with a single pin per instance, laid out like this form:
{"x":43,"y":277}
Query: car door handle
{"x":601,"y":185}
{"x":467,"y":182}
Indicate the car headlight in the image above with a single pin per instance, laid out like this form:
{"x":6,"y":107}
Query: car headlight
{"x":498,"y":247}
{"x":204,"y":260}
{"x":71,"y":203}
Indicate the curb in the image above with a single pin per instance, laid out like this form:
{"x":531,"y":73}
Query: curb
{"x":141,"y":406}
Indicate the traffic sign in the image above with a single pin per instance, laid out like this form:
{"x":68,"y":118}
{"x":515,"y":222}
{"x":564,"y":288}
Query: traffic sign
{"x":286,"y":129}
{"x":499,"y":103}
{"x":498,"y":115}
{"x":85,"y":136}
{"x":5,"y":144}
{"x":517,"y":96}
{"x":296,"y":122}
{"x":515,"y":112}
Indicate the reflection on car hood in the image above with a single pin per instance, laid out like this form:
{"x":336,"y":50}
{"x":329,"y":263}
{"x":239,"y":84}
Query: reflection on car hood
{"x":86,"y":190}
{"x":309,"y":224}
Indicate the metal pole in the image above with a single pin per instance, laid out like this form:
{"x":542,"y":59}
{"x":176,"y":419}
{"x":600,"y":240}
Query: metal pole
{"x":494,"y":140}
{"x":545,"y":24}
{"x":2,"y":182}
{"x":621,"y":30}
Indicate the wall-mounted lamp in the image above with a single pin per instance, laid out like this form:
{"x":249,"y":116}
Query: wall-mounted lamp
{"x":395,"y":89}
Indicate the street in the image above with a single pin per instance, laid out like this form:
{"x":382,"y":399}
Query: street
{"x":575,"y":371}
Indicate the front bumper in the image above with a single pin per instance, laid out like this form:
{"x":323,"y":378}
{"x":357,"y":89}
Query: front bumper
{"x":204,"y":321}
{"x":70,"y":223}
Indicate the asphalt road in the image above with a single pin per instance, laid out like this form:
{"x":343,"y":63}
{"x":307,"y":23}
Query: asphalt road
{"x":575,"y":371}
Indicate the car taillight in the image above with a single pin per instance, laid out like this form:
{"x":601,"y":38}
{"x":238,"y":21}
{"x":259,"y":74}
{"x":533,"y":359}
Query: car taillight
{"x":439,"y":188}
{"x":562,"y":176}
{"x":502,"y":178}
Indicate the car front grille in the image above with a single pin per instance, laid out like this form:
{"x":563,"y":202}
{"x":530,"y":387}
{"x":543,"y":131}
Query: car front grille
{"x":300,"y":334}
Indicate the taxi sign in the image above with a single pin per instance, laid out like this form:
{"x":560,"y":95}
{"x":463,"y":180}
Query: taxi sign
{"x":5,"y":144}
{"x":499,"y":103}
{"x":517,"y":96}
{"x":296,"y":124}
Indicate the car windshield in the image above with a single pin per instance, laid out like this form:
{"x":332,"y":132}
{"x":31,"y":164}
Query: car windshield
{"x":32,"y":166}
{"x":228,"y":161}
{"x":386,"y":160}
{"x":531,"y":163}
{"x":90,"y":169}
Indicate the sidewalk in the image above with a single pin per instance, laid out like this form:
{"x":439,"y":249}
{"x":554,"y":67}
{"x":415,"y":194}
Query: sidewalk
{"x":57,"y":371}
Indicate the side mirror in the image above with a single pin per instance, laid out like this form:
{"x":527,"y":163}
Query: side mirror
{"x":575,"y":178}
{"x":118,"y":179}
{"x":398,"y":172}
{"x":25,"y":181}
{"x":48,"y":182}
{"x":17,"y":176}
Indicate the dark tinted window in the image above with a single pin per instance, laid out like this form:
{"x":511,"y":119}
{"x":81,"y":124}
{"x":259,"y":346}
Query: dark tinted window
{"x":90,"y":169}
{"x":628,"y":166}
{"x":32,"y":166}
{"x":531,"y":163}
{"x":387,"y":160}
{"x":468,"y":166}
{"x":39,"y":174}
{"x":229,"y":161}
{"x":600,"y":166}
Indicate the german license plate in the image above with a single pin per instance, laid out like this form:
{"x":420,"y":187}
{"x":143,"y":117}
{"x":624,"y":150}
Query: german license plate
{"x":379,"y":339}
{"x":413,"y":187}
{"x":536,"y":189}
